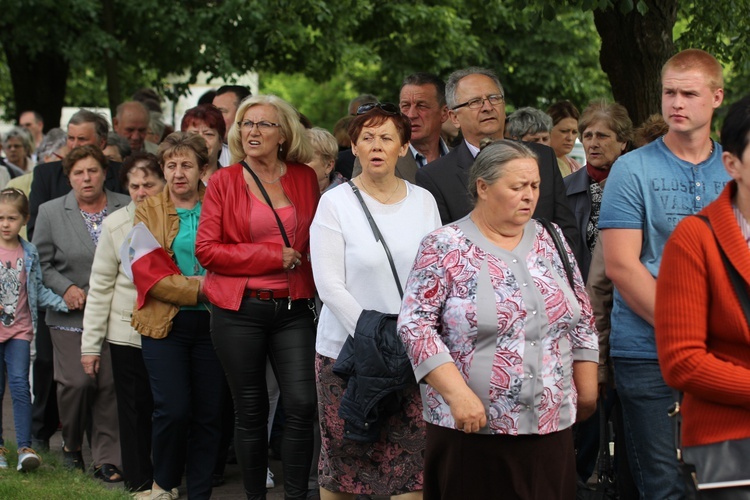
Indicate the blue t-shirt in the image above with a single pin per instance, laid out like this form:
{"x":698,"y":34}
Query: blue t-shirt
{"x":651,"y":189}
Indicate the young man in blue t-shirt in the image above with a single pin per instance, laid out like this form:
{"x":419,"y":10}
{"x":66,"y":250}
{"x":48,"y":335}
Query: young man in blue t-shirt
{"x":648,"y":192}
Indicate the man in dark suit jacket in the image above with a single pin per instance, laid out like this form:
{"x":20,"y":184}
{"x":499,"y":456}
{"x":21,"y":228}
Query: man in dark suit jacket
{"x":477,"y":106}
{"x":422,"y":100}
{"x":84,"y":127}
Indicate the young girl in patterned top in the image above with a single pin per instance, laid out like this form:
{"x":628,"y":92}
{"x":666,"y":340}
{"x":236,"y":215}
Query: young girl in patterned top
{"x":21,"y":291}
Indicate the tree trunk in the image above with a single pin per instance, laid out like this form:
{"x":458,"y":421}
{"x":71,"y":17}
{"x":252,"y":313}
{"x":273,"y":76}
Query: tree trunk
{"x":634,"y":49}
{"x":39,"y":83}
{"x":110,"y":65}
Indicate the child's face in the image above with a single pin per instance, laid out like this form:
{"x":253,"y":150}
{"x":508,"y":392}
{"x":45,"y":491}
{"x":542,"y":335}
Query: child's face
{"x":11,"y":222}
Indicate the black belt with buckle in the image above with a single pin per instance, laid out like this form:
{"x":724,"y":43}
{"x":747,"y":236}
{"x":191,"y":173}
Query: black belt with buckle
{"x":266,"y":294}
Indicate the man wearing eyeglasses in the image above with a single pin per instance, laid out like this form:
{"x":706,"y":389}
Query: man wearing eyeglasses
{"x":476,"y":102}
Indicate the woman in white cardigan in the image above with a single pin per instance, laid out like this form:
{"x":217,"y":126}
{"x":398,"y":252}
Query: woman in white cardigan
{"x":107,"y":316}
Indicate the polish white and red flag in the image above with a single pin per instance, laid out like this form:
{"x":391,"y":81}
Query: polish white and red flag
{"x":145,"y":261}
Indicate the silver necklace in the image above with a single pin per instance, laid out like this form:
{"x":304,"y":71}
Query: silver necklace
{"x":282,"y":171}
{"x":398,"y":184}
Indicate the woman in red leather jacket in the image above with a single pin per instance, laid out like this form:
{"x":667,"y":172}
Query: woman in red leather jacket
{"x":260,"y":283}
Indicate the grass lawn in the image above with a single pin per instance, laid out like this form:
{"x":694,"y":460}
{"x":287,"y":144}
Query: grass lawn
{"x":52,"y":481}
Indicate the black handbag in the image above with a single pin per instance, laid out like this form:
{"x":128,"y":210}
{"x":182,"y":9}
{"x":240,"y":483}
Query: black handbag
{"x":716,"y":465}
{"x":605,"y":487}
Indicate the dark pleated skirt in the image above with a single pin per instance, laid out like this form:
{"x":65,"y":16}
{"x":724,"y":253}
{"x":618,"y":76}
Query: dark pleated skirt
{"x":481,"y":466}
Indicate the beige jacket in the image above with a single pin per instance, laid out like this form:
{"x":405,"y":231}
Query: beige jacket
{"x":109,"y":305}
{"x":154,"y":319}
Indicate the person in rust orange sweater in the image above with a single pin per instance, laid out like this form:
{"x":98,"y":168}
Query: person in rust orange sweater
{"x":702,"y":336}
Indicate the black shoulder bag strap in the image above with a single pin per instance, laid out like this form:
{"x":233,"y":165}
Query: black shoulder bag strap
{"x":561,"y":250}
{"x":268,"y":201}
{"x":378,"y":236}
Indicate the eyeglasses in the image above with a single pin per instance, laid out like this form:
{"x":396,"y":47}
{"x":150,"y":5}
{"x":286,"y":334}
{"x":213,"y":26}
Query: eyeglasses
{"x":478,"y":102}
{"x":263,"y":126}
{"x":388,"y":107}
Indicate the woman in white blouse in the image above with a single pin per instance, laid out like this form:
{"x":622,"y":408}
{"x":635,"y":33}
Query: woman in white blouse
{"x":352,"y":274}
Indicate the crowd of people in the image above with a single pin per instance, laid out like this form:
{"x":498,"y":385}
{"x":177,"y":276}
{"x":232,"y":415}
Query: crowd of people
{"x":437,"y":316}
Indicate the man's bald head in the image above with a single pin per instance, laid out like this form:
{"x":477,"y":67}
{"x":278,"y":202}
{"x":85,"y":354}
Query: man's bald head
{"x":131,"y":122}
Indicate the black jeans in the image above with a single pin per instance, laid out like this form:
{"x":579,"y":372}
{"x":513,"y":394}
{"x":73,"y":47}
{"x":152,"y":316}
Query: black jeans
{"x":186,"y":379}
{"x":286,"y":335}
{"x":135,"y":406}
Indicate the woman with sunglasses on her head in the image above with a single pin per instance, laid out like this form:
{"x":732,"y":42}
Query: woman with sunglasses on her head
{"x":353,"y":276}
{"x":253,"y":240}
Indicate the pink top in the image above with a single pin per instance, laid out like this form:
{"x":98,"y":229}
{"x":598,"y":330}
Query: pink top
{"x":15,"y":316}
{"x":265,"y":229}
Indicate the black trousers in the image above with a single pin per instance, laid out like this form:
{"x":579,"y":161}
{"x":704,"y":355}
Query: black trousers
{"x":44,"y":416}
{"x":285,"y":334}
{"x":186,"y":379}
{"x":134,"y":408}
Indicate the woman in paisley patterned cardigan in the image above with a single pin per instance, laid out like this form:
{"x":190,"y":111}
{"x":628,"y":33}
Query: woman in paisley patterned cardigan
{"x":507,"y":349}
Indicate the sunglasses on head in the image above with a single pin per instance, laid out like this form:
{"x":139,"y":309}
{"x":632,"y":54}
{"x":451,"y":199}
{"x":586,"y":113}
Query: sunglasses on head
{"x":9,"y":190}
{"x":388,"y":107}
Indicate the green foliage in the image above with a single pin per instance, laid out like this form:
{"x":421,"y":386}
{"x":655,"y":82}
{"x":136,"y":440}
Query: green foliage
{"x":722,"y":28}
{"x":542,"y":62}
{"x":549,"y":9}
{"x":324,"y":103}
{"x":538,"y":61}
{"x":543,"y":50}
{"x":6,"y":90}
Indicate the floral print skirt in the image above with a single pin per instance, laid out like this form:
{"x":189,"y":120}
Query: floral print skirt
{"x":391,"y":466}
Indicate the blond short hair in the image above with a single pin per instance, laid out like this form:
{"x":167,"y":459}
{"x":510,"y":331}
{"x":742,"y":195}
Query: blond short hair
{"x":700,"y":60}
{"x":296,"y":146}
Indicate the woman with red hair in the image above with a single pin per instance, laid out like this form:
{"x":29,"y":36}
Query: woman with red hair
{"x":206,"y":120}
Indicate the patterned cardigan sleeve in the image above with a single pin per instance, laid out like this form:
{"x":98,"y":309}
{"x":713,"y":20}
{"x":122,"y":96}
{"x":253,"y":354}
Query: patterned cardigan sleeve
{"x":419,"y":323}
